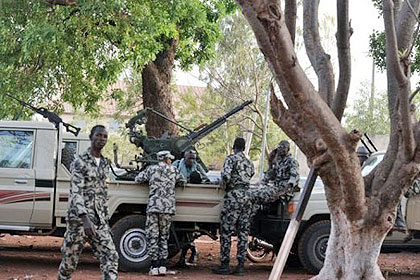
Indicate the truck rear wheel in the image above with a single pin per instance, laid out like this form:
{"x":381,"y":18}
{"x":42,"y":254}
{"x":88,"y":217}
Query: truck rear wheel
{"x":312,"y":246}
{"x":130,"y":241}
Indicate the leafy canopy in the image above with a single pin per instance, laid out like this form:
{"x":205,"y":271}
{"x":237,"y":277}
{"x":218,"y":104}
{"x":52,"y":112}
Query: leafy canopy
{"x":56,"y":54}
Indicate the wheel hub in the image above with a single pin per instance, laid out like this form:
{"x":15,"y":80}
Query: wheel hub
{"x":133,"y":245}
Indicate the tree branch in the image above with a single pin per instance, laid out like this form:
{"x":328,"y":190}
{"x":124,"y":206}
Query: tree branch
{"x":319,"y":59}
{"x":290,"y":10}
{"x":344,"y":31}
{"x":401,"y":76}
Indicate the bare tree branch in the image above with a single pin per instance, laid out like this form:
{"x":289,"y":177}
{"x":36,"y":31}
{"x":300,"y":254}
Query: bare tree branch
{"x":417,"y":90}
{"x":290,"y":10}
{"x":344,"y":31}
{"x":400,"y":74}
{"x":320,"y":60}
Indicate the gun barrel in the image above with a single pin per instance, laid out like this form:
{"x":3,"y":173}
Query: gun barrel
{"x":196,"y":136}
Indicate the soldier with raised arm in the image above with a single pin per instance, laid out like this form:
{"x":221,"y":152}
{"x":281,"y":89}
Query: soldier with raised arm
{"x":162,"y":178}
{"x":87,"y":213}
{"x":236,"y":173}
{"x":281,"y":180}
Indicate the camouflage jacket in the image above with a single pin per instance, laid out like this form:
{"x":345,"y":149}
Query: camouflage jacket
{"x":285,"y":170}
{"x":88,"y":190}
{"x":414,"y":189}
{"x":237,"y":171}
{"x":162,"y":179}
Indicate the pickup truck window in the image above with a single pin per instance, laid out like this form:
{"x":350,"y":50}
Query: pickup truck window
{"x":68,"y":153}
{"x":16,"y":148}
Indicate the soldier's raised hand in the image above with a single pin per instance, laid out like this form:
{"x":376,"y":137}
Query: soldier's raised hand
{"x":88,"y":227}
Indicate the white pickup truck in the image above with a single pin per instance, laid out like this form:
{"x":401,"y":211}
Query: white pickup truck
{"x":270,"y":225}
{"x":34,"y":189}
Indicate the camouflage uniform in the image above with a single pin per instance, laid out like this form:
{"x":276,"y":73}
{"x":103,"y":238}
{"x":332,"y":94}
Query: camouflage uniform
{"x":414,"y":189}
{"x":161,"y":206}
{"x":282,"y":180}
{"x":236,"y":173}
{"x":88,"y":195}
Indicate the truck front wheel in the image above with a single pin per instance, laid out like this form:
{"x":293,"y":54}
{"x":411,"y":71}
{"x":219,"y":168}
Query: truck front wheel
{"x":312,"y":246}
{"x":130,"y":241}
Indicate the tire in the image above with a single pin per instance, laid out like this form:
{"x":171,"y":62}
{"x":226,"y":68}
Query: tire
{"x":312,"y":246}
{"x":130,"y":240}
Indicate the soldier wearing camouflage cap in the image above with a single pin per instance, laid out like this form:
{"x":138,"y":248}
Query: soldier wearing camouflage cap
{"x":162,"y":178}
{"x":87,"y":213}
{"x":236,"y":173}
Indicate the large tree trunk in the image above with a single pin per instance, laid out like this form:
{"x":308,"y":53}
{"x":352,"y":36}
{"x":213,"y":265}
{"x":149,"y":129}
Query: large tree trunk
{"x":362,"y":209}
{"x":156,"y":81}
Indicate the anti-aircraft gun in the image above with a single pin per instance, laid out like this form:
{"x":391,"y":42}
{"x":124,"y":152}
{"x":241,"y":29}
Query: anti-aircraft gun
{"x":176,"y":145}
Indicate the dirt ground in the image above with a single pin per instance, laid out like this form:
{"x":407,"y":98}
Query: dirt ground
{"x":33,"y":258}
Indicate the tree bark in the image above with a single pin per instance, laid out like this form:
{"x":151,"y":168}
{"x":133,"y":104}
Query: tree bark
{"x":156,"y":82}
{"x":361,"y":215}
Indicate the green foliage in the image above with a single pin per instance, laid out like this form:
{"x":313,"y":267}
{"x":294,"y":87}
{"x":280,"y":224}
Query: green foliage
{"x":236,"y":74}
{"x":377,"y":47}
{"x":55,"y":54}
{"x":369,"y":113}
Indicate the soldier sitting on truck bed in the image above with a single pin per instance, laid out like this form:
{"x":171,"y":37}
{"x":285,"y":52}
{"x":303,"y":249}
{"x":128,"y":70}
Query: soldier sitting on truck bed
{"x":190,"y":169}
{"x":281,"y":180}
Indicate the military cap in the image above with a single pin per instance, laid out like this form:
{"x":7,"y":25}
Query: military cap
{"x":162,"y":155}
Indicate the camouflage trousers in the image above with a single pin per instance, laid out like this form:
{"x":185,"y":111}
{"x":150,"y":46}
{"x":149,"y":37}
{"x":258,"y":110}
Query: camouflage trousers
{"x":102,"y":246}
{"x":269,"y":192}
{"x":234,"y":219}
{"x":157,"y":233}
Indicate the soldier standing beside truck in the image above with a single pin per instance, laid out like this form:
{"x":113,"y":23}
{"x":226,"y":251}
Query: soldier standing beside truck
{"x":87,"y":213}
{"x":236,"y":173}
{"x":162,"y":179}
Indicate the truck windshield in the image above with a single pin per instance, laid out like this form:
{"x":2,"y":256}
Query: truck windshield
{"x":16,"y":149}
{"x":371,"y":163}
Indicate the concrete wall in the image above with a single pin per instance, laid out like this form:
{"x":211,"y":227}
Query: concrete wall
{"x":380,"y":141}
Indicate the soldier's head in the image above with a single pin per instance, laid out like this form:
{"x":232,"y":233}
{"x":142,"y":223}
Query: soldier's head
{"x":98,"y":137}
{"x":239,"y":145}
{"x":165,"y":156}
{"x":190,"y":157}
{"x":283,"y":148}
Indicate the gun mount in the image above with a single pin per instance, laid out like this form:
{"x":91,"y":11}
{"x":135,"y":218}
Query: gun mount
{"x":178,"y":145}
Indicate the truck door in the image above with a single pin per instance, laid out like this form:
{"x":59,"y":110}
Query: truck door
{"x":17,"y":177}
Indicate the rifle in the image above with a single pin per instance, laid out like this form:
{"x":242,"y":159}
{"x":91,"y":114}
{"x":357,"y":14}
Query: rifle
{"x":51,"y":116}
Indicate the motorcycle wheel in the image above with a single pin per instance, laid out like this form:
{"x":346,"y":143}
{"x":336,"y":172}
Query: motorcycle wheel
{"x":257,"y":253}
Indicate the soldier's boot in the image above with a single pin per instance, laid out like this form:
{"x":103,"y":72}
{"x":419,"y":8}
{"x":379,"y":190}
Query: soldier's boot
{"x":223,"y":269}
{"x":239,"y":270}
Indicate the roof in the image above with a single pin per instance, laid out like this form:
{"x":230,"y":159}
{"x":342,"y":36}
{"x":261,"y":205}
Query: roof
{"x":27,"y":124}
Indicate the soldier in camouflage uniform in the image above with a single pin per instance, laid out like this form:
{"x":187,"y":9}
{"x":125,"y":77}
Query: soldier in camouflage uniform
{"x":281,"y":180}
{"x":236,"y":174}
{"x":162,"y":178}
{"x":87,"y":213}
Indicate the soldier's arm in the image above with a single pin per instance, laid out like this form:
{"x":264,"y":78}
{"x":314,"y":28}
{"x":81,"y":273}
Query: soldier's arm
{"x":294,"y":172}
{"x":180,"y":181}
{"x":202,"y":172}
{"x":143,"y":176}
{"x":76,"y":184}
{"x":226,"y":172}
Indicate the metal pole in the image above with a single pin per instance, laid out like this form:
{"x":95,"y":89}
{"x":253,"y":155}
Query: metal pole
{"x":264,"y":136}
{"x":293,"y":227}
